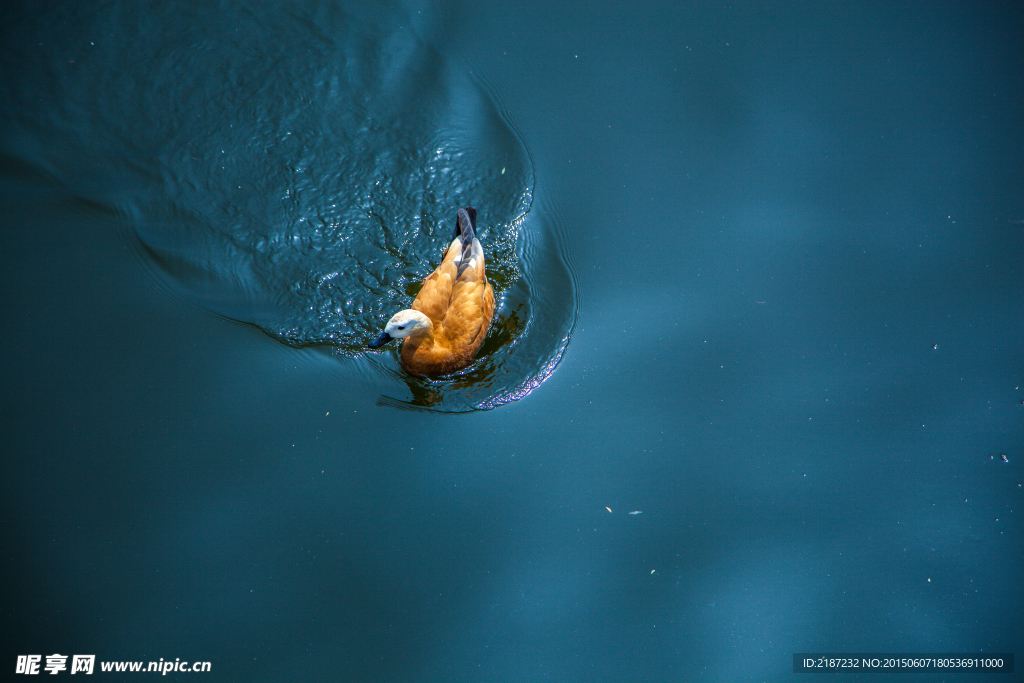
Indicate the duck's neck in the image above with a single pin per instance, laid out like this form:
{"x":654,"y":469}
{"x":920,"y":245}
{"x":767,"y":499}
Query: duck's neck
{"x":424,"y":337}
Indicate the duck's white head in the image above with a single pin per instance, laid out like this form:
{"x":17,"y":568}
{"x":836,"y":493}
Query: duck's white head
{"x":402,"y":324}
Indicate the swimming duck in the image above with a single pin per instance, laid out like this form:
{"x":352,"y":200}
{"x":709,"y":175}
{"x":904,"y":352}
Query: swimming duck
{"x":449,"y":318}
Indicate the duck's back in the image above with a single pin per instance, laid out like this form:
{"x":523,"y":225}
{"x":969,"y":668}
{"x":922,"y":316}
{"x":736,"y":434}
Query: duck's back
{"x":460,"y":306}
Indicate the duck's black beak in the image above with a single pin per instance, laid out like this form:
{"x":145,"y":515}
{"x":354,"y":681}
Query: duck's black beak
{"x":383,"y":339}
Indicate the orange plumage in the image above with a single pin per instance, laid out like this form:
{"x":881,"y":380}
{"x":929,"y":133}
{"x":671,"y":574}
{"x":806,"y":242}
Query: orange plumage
{"x":448,"y":321}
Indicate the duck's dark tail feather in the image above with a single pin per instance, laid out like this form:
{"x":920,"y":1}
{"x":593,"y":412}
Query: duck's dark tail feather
{"x":465,"y":230}
{"x":465,"y":224}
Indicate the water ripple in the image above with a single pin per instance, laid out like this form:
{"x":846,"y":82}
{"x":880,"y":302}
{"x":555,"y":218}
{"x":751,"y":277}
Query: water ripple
{"x":304,"y":191}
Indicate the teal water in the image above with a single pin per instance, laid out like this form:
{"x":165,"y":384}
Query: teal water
{"x":760,"y":282}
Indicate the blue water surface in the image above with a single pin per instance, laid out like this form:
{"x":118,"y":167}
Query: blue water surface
{"x":755,"y":385}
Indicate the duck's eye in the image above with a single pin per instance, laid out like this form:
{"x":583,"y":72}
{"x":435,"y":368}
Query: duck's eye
{"x":401,"y":327}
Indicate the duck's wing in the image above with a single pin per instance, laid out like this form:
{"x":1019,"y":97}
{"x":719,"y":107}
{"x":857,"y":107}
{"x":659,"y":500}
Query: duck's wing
{"x":436,"y":292}
{"x":472,"y":302}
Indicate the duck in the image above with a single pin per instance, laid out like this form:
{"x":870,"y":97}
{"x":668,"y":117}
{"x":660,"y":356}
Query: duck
{"x":448,"y":321}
